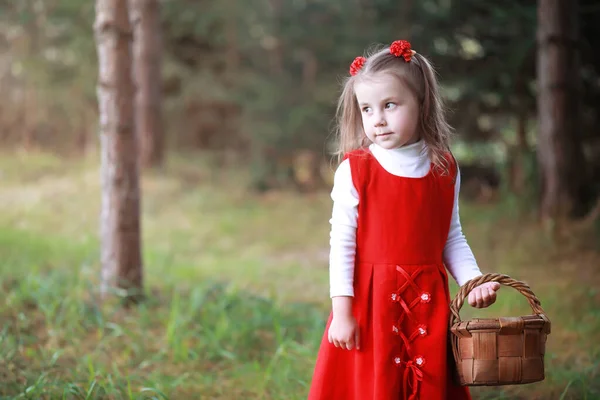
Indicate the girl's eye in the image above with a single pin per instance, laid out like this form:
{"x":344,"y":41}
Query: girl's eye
{"x":366,"y":109}
{"x":389,"y":105}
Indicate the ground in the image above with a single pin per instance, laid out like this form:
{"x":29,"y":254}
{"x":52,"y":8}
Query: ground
{"x":237,"y":288}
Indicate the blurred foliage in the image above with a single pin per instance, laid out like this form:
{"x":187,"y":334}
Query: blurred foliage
{"x":262,"y":76}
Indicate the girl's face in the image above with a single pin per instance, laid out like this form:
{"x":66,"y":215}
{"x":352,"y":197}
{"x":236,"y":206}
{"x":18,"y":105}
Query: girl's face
{"x":390,"y":111}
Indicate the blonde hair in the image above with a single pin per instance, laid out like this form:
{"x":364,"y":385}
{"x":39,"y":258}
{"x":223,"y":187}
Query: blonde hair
{"x":419,"y":76}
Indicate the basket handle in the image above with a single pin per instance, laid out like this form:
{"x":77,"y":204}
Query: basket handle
{"x":505,"y":280}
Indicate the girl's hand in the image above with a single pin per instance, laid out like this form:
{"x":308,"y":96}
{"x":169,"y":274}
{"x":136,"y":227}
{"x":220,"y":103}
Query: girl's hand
{"x":483,"y":295}
{"x":343,"y":332}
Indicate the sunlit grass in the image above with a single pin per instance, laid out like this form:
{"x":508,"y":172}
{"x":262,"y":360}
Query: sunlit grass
{"x":237,"y":289}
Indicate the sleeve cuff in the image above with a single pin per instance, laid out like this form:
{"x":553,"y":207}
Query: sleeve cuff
{"x":466,"y":279}
{"x":347,"y":291}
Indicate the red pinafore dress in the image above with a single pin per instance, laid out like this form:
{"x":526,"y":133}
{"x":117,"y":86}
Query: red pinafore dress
{"x":401,"y":296}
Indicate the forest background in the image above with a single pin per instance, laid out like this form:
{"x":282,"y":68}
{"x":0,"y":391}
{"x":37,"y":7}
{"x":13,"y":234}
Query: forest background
{"x":222,"y":152}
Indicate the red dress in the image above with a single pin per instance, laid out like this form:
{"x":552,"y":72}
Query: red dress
{"x":401,"y":292}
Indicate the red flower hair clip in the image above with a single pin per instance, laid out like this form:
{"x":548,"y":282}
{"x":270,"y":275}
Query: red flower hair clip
{"x":356,"y":65}
{"x":401,"y":48}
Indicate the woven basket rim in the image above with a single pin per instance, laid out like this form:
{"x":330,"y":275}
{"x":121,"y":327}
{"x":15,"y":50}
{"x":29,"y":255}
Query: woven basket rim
{"x":521,"y":287}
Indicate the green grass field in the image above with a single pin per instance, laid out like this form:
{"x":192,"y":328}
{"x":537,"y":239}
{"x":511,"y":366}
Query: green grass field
{"x":237,"y":289}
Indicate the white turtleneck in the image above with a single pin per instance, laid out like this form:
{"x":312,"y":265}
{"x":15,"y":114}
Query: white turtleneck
{"x":408,"y":161}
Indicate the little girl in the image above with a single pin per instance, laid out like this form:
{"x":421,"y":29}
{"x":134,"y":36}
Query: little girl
{"x":394,"y":229}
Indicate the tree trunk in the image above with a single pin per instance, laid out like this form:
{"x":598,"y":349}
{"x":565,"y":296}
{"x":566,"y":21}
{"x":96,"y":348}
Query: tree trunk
{"x":120,"y":215}
{"x":518,"y":154}
{"x":231,"y":34}
{"x":559,"y":146}
{"x":147,"y":49}
{"x":276,"y":52}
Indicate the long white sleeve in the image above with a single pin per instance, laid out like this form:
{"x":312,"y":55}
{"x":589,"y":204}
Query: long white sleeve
{"x":457,"y":254}
{"x":458,"y":257}
{"x":343,"y":232}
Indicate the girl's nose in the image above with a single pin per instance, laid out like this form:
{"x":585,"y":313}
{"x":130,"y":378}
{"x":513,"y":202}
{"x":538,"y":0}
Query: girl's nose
{"x":379,"y":120}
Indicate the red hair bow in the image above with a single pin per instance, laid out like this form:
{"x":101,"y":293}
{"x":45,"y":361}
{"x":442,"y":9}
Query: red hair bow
{"x":401,"y":48}
{"x":356,"y":65}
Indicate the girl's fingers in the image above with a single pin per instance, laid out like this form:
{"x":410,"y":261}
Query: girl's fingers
{"x":478,"y":298}
{"x":485,"y":297}
{"x":473,"y":297}
{"x":350,"y":344}
{"x":492,"y":293}
{"x":345,"y":344}
{"x":472,"y":302}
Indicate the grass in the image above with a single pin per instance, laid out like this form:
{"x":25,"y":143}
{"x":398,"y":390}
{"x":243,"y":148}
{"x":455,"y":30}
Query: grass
{"x":237,"y":287}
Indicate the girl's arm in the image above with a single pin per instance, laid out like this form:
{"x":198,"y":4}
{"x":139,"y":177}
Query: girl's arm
{"x":461,"y":263}
{"x":343,"y":233}
{"x":343,"y":331}
{"x":458,"y":257}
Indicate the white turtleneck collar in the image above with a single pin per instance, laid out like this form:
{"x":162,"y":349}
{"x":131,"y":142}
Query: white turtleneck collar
{"x":409,"y":161}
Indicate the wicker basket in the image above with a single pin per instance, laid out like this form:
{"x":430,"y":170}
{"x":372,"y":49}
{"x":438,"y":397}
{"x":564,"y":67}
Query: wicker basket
{"x":498,"y":351}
